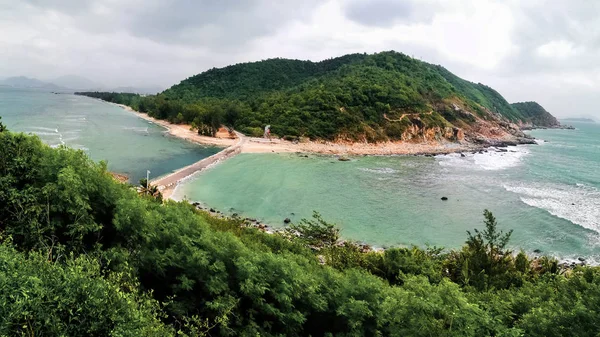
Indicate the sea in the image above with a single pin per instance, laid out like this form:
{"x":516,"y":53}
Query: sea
{"x":130,"y":145}
{"x":548,"y":194}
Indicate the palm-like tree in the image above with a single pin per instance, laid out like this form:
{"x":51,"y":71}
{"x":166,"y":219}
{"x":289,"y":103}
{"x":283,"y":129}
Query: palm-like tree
{"x":146,"y":189}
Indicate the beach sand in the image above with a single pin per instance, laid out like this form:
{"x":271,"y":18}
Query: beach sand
{"x":184,"y":131}
{"x":261,"y":145}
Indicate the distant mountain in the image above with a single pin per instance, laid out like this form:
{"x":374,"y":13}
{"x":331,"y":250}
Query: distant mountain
{"x":581,"y":120}
{"x":535,"y":115}
{"x":29,"y":83}
{"x":76,"y":82}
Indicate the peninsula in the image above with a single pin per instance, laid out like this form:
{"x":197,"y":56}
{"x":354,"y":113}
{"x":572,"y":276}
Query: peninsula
{"x":384,"y":103}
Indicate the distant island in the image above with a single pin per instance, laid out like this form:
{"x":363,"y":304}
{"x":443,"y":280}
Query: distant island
{"x":357,"y":98}
{"x":581,"y":120}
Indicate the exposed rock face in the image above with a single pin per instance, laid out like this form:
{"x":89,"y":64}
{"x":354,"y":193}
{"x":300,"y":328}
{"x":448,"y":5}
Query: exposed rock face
{"x":416,"y":133}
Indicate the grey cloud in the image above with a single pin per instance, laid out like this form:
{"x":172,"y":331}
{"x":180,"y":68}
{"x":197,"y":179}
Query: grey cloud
{"x":574,"y":22}
{"x":220,"y":24}
{"x":385,"y":13}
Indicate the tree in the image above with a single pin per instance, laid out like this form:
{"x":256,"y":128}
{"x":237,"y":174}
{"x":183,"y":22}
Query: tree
{"x":2,"y":127}
{"x":316,"y":233}
{"x":146,"y":188}
{"x":484,"y":261}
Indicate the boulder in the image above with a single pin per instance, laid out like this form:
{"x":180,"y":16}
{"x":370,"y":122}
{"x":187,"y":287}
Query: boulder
{"x":212,"y":210}
{"x":287,"y":220}
{"x":444,"y":198}
{"x":462,"y":155}
{"x":537,"y":251}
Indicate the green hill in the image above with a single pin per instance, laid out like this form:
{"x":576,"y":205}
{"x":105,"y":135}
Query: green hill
{"x":378,"y":97}
{"x":535,"y":114}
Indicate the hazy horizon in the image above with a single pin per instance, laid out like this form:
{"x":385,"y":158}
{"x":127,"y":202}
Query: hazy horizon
{"x":540,"y":51}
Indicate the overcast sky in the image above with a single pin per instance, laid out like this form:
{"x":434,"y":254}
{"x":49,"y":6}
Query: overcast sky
{"x":547,"y":51}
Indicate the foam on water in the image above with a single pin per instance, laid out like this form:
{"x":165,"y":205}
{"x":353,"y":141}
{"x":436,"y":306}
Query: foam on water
{"x":41,"y":133}
{"x":578,"y":204}
{"x":500,"y":160}
{"x":43,"y":128}
{"x":136,"y":129}
{"x":492,"y":160}
{"x":379,"y":170}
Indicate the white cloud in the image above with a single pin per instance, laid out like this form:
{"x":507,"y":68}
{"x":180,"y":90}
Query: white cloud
{"x":557,"y":49}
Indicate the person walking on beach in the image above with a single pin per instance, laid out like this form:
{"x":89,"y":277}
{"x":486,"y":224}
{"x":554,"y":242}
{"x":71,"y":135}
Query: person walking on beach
{"x":267,"y":133}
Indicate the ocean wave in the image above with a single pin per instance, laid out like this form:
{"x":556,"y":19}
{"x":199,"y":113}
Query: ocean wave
{"x":577,"y":204}
{"x":489,"y":161}
{"x":43,"y":128}
{"x":380,"y":170}
{"x":136,"y":129}
{"x":41,"y":133}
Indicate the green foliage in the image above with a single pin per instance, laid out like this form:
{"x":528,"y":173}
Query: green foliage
{"x":2,"y":126}
{"x":535,"y":114}
{"x":72,"y":297}
{"x":316,"y":233}
{"x":345,"y":97}
{"x":88,"y":256}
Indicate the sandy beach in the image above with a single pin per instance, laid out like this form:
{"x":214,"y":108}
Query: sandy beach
{"x":184,"y":131}
{"x":261,"y":145}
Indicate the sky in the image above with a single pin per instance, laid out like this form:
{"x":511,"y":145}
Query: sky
{"x":547,"y":51}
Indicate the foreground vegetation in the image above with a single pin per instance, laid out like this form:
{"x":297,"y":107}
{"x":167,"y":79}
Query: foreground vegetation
{"x":357,"y":97}
{"x":84,"y":255}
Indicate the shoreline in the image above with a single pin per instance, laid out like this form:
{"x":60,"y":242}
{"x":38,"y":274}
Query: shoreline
{"x":246,"y":222}
{"x":261,"y":145}
{"x":168,"y":183}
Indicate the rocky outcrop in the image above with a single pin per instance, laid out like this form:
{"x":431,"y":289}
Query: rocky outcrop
{"x":427,"y":134}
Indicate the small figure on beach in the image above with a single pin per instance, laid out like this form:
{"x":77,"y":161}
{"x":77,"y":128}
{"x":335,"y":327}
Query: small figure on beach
{"x":267,"y":133}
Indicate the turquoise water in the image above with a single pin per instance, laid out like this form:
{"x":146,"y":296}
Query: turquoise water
{"x":128,"y":143}
{"x":549,"y":194}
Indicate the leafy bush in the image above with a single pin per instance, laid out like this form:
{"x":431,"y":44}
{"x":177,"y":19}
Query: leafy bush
{"x":89,"y":256}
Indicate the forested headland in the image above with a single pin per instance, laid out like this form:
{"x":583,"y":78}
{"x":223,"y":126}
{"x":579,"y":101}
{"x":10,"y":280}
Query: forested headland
{"x":536,"y":115}
{"x":84,"y":255}
{"x":356,"y":97}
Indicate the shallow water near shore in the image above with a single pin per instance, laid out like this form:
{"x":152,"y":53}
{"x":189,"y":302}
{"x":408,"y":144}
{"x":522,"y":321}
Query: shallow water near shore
{"x":128,"y":143}
{"x":549,"y":194}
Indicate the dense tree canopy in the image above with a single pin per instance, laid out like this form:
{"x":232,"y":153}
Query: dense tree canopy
{"x":535,"y":114}
{"x":84,"y":255}
{"x":357,"y":97}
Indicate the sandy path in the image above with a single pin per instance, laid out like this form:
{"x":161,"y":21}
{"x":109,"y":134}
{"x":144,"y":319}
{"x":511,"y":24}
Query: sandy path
{"x":168,"y":183}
